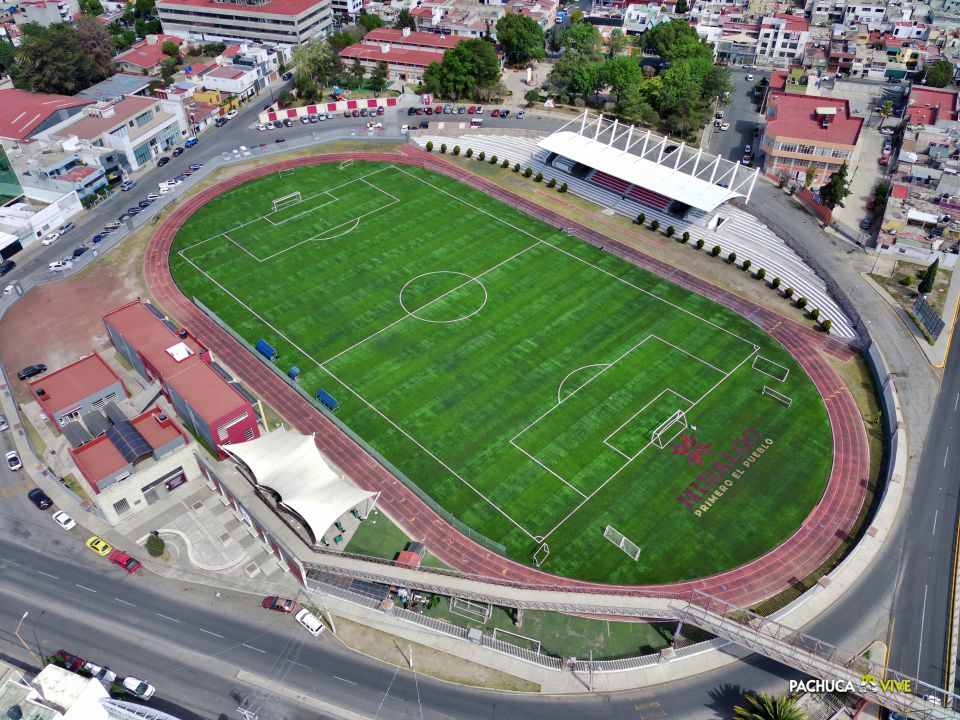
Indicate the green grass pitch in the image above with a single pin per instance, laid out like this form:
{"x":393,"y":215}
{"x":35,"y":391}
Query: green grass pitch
{"x":518,"y":375}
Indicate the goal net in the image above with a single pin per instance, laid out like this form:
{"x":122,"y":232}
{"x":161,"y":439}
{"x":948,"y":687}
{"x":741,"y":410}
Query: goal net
{"x":666,"y":431}
{"x":622,"y":542}
{"x":293,"y":197}
{"x":346,"y":164}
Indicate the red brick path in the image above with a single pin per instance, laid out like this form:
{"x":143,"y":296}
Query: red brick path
{"x":796,"y":558}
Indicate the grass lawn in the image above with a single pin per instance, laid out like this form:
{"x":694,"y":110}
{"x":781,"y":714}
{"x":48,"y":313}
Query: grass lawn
{"x":517,"y":375}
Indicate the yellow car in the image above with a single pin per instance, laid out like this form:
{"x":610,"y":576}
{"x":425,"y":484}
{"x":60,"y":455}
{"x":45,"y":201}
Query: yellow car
{"x":99,"y":546}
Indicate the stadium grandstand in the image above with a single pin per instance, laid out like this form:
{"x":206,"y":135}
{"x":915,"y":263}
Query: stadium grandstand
{"x":690,"y":183}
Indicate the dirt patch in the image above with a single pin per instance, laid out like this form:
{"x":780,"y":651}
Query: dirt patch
{"x":427,"y":661}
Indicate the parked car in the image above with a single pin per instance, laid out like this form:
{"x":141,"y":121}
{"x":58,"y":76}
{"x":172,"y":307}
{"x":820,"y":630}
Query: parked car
{"x":100,"y":546}
{"x":462,"y":110}
{"x":13,"y":460}
{"x":261,"y":127}
{"x":380,"y":111}
{"x":77,"y":252}
{"x":163,"y":160}
{"x":134,"y":210}
{"x":446,"y":109}
{"x":30,"y":370}
{"x":725,"y":126}
{"x":521,"y":115}
{"x":865,"y":224}
{"x":190,"y":142}
{"x":177,"y":152}
{"x":278,"y":124}
{"x":887,"y":131}
{"x":128,"y":185}
{"x":3,"y":423}
{"x":364,"y":112}
{"x":39,"y":498}
{"x":51,"y":238}
{"x":411,"y":111}
{"x":275,"y":602}
{"x":152,"y":197}
{"x":719,"y":115}
{"x":494,"y":113}
{"x":231,"y":115}
{"x":747,"y":149}
{"x":123,"y":560}
{"x":196,"y":166}
{"x":64,"y":520}
{"x":70,"y":661}
{"x":505,"y":112}
{"x":286,"y":76}
{"x":58,"y":266}
{"x":65,"y":228}
{"x":329,"y":116}
{"x":101,"y":672}
{"x":424,"y":124}
{"x":280,"y":140}
{"x":304,"y":119}
{"x":220,"y":122}
{"x":288,"y":123}
{"x":479,"y":109}
{"x":310,"y":621}
{"x":7,"y":267}
{"x":138,"y":688}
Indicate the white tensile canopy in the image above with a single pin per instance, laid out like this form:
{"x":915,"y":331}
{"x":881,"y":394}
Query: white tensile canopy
{"x":291,"y":465}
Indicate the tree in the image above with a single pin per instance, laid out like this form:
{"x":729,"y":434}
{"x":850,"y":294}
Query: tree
{"x":836,"y":189}
{"x":674,"y":40}
{"x":621,"y":73}
{"x":928,"y":278}
{"x":155,"y":545}
{"x":91,"y":7}
{"x":168,"y":68}
{"x":285,"y":98}
{"x":405,"y":20}
{"x":939,"y":74}
{"x":369,"y":22}
{"x":7,"y":56}
{"x":341,"y":39}
{"x":582,"y":37}
{"x":311,"y":64}
{"x":356,"y":72}
{"x":681,"y":7}
{"x":97,"y":44}
{"x":886,"y":110}
{"x":380,"y":76}
{"x":170,"y":48}
{"x":617,"y":42}
{"x":681,"y":100}
{"x":470,"y":68}
{"x":53,"y":59}
{"x":811,"y":175}
{"x":768,"y":707}
{"x":521,"y":37}
{"x":214,"y":49}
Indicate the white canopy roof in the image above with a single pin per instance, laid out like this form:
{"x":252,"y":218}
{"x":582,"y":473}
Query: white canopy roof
{"x":291,"y":465}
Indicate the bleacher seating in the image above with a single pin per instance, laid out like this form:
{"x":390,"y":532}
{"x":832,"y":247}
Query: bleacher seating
{"x":610,"y":182}
{"x":654,"y":199}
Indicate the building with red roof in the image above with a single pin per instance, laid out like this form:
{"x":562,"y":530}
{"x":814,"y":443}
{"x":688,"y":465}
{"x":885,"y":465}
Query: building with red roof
{"x":215,"y":408}
{"x":927,"y":105}
{"x":406,"y":53}
{"x":66,"y":394}
{"x":145,"y":56}
{"x":25,"y":114}
{"x":277,"y":21}
{"x":806,"y":130}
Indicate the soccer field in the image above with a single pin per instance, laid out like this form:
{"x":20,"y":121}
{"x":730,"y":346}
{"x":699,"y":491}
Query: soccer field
{"x":537,"y":388}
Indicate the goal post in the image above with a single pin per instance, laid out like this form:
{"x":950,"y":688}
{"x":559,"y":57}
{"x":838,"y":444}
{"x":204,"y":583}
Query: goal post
{"x":346,"y":164}
{"x":541,"y":554}
{"x":622,"y":542}
{"x":666,"y":431}
{"x":287,"y":199}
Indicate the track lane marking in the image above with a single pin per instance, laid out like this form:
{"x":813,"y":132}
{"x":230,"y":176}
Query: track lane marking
{"x":207,"y":632}
{"x":84,"y":587}
{"x":125,"y":602}
{"x":349,"y":682}
{"x":167,"y":617}
{"x":46,"y":574}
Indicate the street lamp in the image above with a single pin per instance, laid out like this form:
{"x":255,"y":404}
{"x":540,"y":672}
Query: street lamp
{"x":25,"y":646}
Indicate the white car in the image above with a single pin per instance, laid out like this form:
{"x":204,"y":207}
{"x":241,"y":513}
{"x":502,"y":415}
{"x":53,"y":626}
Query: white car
{"x":887,"y":131}
{"x":103,"y":674}
{"x":13,"y":462}
{"x":310,"y":621}
{"x":166,"y":189}
{"x":479,"y":109}
{"x":725,"y":126}
{"x":51,"y":238}
{"x":747,"y":148}
{"x":153,"y":197}
{"x":138,"y":688}
{"x":3,"y":424}
{"x":66,"y":522}
{"x":749,"y":78}
{"x":261,"y":127}
{"x":231,"y":115}
{"x":59,"y":266}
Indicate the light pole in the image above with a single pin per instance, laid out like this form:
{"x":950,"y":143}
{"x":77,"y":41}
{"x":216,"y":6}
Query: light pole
{"x":25,"y":646}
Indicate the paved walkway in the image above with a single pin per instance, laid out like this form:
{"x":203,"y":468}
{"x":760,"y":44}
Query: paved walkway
{"x":796,"y":558}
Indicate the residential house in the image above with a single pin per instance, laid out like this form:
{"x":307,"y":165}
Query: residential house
{"x":145,"y":57}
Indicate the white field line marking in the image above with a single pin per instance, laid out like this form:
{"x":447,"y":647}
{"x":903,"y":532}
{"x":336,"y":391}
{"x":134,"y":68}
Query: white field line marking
{"x":46,"y":574}
{"x":585,"y":262}
{"x":258,"y":217}
{"x":84,"y":587}
{"x":557,"y":475}
{"x":349,"y":682}
{"x":606,"y":440}
{"x":935,"y":513}
{"x":167,"y":617}
{"x":125,"y":602}
{"x":956,"y":402}
{"x":560,"y":386}
{"x":945,"y":455}
{"x":207,"y":632}
{"x":251,"y":647}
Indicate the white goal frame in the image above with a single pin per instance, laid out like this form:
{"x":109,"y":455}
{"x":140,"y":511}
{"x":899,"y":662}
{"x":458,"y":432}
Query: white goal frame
{"x":778,"y":396}
{"x":659,"y":436}
{"x":623,"y":542}
{"x":345,"y":164}
{"x":286,"y":199}
{"x":541,"y":554}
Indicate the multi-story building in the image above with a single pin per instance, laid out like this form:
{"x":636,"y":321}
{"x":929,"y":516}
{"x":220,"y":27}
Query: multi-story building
{"x":47,"y":12}
{"x":66,"y":394}
{"x":928,"y":106}
{"x":24,"y":115}
{"x":805,"y":131}
{"x":276,"y":21}
{"x":217,"y":410}
{"x":870,"y":13}
{"x":782,"y":39}
{"x":406,"y":53}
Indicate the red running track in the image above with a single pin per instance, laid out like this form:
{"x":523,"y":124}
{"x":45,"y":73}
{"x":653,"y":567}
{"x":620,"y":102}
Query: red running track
{"x":797,"y":557}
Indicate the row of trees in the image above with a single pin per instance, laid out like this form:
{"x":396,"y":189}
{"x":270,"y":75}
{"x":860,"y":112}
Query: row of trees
{"x":61,"y":58}
{"x":679,"y":98}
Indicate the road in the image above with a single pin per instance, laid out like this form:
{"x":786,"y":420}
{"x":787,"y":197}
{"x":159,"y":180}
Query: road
{"x":741,"y":113}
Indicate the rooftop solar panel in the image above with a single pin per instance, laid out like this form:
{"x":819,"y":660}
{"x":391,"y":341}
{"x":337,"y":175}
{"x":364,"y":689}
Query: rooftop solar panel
{"x":76,"y":434}
{"x":127,"y":439}
{"x":96,"y":423}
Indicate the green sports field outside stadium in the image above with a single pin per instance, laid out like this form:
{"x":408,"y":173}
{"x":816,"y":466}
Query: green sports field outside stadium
{"x":523,"y":379}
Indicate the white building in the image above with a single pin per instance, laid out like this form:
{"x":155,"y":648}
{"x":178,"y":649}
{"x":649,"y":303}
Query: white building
{"x":278,"y":21}
{"x":782,"y":39}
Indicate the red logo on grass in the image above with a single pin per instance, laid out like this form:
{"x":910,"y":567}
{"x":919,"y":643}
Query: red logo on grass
{"x":688,"y":446}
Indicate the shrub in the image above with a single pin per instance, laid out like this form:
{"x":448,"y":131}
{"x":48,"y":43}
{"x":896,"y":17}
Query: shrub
{"x":528,"y":172}
{"x":538,"y":177}
{"x":775,"y":283}
{"x":443,"y":147}
{"x":671,"y":231}
{"x":655,"y":225}
{"x":905,"y":280}
{"x":788,"y":293}
{"x":815,"y":313}
{"x":826,"y":325}
{"x":155,"y":545}
{"x":469,"y":152}
{"x":456,"y":149}
{"x":641,"y":219}
{"x":482,"y":156}
{"x":761,"y":274}
{"x":563,"y":187}
{"x":429,"y":146}
{"x":746,"y":265}
{"x":699,"y":243}
{"x":715,"y":250}
{"x":552,"y":183}
{"x":686,"y":236}
{"x":493,"y":159}
{"x":505,"y":163}
{"x":801,"y":302}
{"x":516,"y":167}
{"x":732,"y":258}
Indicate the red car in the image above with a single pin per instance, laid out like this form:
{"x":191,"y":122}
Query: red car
{"x":380,"y":111}
{"x":494,"y":113}
{"x":356,"y":113}
{"x":472,"y":110}
{"x":119,"y":557}
{"x":71,"y":662}
{"x":275,"y":602}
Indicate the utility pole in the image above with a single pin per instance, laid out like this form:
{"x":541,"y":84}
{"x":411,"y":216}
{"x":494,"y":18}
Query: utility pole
{"x":25,"y":646}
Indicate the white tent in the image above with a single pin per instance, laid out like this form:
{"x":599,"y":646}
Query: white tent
{"x":290,"y":464}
